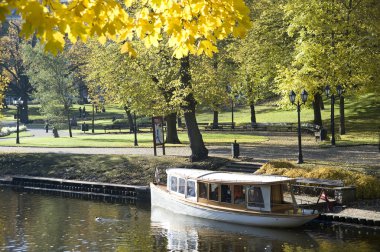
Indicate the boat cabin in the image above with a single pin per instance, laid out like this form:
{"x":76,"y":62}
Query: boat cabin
{"x":232,"y":190}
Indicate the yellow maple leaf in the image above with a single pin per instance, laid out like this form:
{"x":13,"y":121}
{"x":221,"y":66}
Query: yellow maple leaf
{"x":128,"y":3}
{"x":127,"y":48}
{"x":102,"y":39}
{"x":55,"y":42}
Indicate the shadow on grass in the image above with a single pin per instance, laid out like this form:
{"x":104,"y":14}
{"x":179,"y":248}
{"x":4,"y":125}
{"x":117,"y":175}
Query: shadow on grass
{"x":133,"y":170}
{"x":362,"y":115}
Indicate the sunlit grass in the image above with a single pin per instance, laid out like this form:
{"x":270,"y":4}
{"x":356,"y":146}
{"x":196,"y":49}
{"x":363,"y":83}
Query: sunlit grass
{"x":126,"y":140}
{"x":361,"y":117}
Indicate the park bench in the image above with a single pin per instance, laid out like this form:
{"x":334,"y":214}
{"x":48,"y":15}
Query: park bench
{"x":204,"y":125}
{"x":280,"y":127}
{"x":309,"y":128}
{"x":145,"y":126}
{"x":320,"y":134}
{"x":112,"y":127}
{"x":221,"y":126}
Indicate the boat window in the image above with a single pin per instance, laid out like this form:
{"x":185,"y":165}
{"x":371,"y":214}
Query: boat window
{"x":191,"y":188}
{"x":173,"y":183}
{"x":202,"y":190}
{"x":255,"y":197}
{"x":239,"y":194}
{"x":181,"y":185}
{"x":226,"y":193}
{"x":214,"y":190}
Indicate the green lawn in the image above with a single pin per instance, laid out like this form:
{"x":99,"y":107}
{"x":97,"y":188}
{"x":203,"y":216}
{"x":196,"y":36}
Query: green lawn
{"x":126,"y":140}
{"x":361,"y":113}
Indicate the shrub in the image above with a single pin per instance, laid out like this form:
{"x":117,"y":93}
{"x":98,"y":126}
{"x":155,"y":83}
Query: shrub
{"x":367,"y":186}
{"x":5,"y":131}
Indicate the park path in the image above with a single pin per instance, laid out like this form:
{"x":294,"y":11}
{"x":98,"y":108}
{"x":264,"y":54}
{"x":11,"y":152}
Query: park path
{"x":350,"y":156}
{"x":280,"y":145}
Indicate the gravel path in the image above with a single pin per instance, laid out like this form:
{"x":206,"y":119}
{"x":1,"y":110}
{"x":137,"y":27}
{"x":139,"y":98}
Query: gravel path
{"x":360,"y":155}
{"x":281,"y":145}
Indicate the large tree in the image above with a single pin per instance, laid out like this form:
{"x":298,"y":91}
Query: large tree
{"x":266,"y":47}
{"x":213,"y":77}
{"x":53,"y":82}
{"x":3,"y":87}
{"x":12,"y":65}
{"x":336,"y":43}
{"x":146,"y":84}
{"x":190,"y":27}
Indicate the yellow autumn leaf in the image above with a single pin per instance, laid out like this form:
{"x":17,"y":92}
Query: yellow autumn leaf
{"x":102,"y":39}
{"x":127,"y":48}
{"x":182,"y":22}
{"x":128,"y":3}
{"x":55,"y":42}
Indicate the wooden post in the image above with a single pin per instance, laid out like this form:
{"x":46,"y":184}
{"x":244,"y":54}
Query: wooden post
{"x":163,"y":135}
{"x":154,"y":137}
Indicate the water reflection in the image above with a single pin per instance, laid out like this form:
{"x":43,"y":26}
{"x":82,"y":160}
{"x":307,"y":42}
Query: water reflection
{"x":35,"y":222}
{"x":191,"y":233}
{"x":32,"y":222}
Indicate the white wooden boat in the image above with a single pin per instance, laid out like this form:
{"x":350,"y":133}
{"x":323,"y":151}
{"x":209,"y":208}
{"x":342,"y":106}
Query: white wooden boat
{"x":248,"y":199}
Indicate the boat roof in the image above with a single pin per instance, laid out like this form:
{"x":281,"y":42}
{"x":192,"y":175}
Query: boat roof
{"x":227,"y":177}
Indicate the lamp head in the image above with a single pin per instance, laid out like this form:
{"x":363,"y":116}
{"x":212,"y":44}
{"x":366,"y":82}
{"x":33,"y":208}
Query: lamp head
{"x":292,"y":96}
{"x":304,"y":96}
{"x":339,"y":89}
{"x":327,"y":90}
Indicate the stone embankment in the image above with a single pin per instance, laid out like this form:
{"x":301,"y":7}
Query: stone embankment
{"x":366,"y":212}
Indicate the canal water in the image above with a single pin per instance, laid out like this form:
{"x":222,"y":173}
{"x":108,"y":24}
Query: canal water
{"x":42,"y":222}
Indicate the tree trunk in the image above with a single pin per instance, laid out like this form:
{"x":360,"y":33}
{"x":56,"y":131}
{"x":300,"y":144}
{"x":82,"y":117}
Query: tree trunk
{"x":179,"y":122}
{"x":5,"y":105}
{"x":130,"y":118}
{"x":253,"y":113}
{"x":215,"y":122}
{"x":171,"y":129}
{"x":197,"y":146}
{"x":317,"y":109}
{"x":321,"y":103}
{"x":68,"y":120}
{"x":342,"y":126}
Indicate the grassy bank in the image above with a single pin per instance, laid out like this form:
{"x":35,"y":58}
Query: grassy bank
{"x":125,"y":140}
{"x":133,"y":170}
{"x":139,"y":170}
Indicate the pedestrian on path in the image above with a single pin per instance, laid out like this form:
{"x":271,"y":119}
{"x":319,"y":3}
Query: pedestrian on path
{"x":47,"y":127}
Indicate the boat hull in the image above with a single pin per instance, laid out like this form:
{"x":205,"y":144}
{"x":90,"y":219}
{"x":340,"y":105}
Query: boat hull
{"x":162,"y":198}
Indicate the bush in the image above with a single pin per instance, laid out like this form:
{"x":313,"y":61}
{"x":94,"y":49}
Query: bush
{"x":5,"y":131}
{"x":367,"y":186}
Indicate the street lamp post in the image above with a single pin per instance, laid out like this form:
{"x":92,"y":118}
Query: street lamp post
{"x":232,"y":114}
{"x":339,"y":91}
{"x":93,"y":117}
{"x":233,"y":98}
{"x":18,"y":104}
{"x":135,"y":128}
{"x":292,"y":97}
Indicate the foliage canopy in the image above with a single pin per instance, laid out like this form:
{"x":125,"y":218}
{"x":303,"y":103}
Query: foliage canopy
{"x":191,"y":26}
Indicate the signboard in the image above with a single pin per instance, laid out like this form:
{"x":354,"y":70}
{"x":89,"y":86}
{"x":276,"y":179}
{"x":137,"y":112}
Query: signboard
{"x":158,"y":130}
{"x":158,"y":133}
